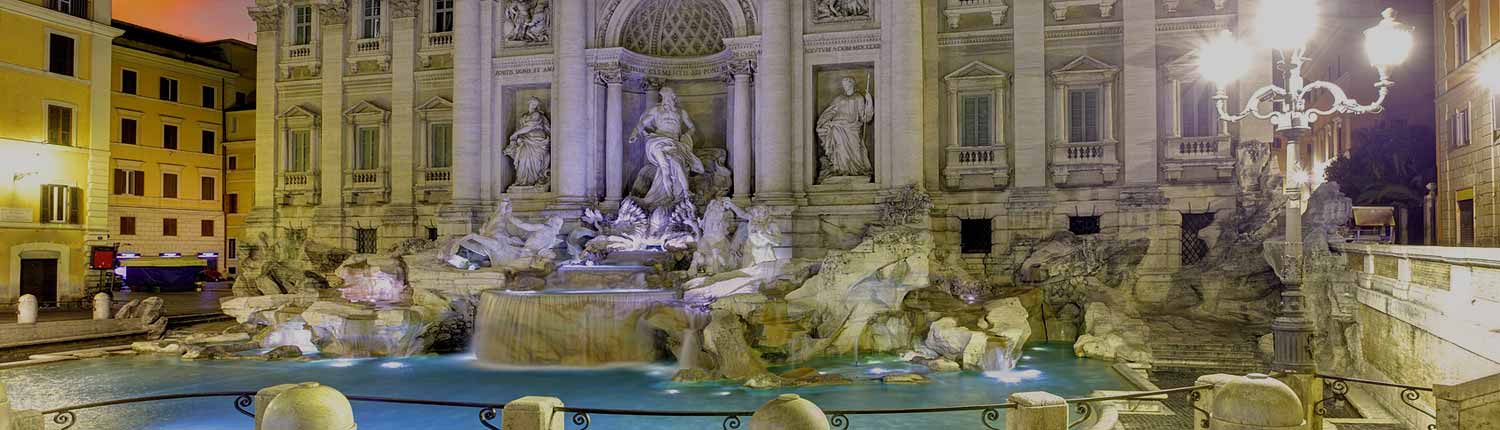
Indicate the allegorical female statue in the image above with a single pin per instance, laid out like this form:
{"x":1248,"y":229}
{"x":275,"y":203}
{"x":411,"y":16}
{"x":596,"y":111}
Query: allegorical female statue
{"x":531,"y":146}
{"x":668,"y":134}
{"x":841,"y":133}
{"x":528,"y":21}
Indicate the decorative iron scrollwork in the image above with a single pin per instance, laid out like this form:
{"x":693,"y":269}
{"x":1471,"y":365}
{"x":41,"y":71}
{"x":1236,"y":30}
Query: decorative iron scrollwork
{"x":1084,"y":411}
{"x":1339,"y":389}
{"x":486,"y":415}
{"x":243,"y":403}
{"x":1193,"y":398}
{"x":731,"y":422}
{"x":66,"y":419}
{"x":991,"y":419}
{"x":581,"y":419}
{"x":838,"y":422}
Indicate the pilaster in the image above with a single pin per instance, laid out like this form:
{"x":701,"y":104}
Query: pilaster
{"x":1138,"y":86}
{"x":903,"y":35}
{"x":402,"y":161}
{"x":773,"y":96}
{"x":467,"y":101}
{"x":329,"y":216}
{"x":570,"y":112}
{"x":96,"y":192}
{"x":262,"y":216}
{"x":614,"y":139}
{"x":1030,"y":91}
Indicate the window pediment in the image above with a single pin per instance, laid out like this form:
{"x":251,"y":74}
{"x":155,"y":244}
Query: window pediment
{"x":366,"y":112}
{"x":298,"y":112}
{"x":978,"y":74}
{"x":1085,"y":70}
{"x":436,"y":103}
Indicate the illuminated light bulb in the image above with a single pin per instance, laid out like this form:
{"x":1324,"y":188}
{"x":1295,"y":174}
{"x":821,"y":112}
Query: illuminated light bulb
{"x":1388,"y":43}
{"x":1223,"y":59}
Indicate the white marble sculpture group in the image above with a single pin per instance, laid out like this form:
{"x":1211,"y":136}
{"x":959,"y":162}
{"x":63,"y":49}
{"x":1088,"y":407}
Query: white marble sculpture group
{"x":527,"y":21}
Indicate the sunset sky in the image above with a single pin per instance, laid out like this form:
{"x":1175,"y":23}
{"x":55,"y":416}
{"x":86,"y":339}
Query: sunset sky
{"x":202,"y":20}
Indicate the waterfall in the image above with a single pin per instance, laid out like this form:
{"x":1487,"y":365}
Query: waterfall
{"x":292,"y":332}
{"x":566,"y":327}
{"x":687,"y":353}
{"x":998,"y":356}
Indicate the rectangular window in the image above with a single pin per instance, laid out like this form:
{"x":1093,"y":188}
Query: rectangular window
{"x":127,"y":81}
{"x":127,"y":226}
{"x":1460,"y":128}
{"x":241,"y":99}
{"x":59,"y":125}
{"x":232,"y":163}
{"x":1466,"y":222}
{"x":432,"y":234}
{"x":299,"y":149}
{"x":207,"y":190}
{"x":209,"y":141}
{"x":210,"y":97}
{"x":167,"y":89}
{"x":78,"y":8}
{"x":233,"y":250}
{"x":1461,"y":39}
{"x":130,"y":182}
{"x":1194,"y":248}
{"x":169,"y":227}
{"x":442,"y":16}
{"x":975,"y":236}
{"x":1084,"y":225}
{"x":232,"y":203}
{"x":302,"y":25}
{"x":441,"y":152}
{"x":60,"y":54}
{"x":365,"y":240}
{"x":1083,"y":115}
{"x":370,"y":19}
{"x":206,"y":227}
{"x":127,"y":131}
{"x":60,"y":204}
{"x":169,"y":185}
{"x":169,"y":136}
{"x":1200,"y":118}
{"x":367,"y":148}
{"x":976,"y":112}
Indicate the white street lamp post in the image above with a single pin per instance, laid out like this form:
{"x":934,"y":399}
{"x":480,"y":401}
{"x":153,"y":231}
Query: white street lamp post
{"x":1387,"y":44}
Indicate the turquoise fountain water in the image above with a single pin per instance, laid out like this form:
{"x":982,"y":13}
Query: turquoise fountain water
{"x":1046,"y":367}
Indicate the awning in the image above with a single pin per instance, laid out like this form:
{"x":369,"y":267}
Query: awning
{"x":1374,"y":216}
{"x":164,"y":262}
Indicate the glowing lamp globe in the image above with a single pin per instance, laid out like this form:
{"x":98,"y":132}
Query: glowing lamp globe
{"x":1286,"y":24}
{"x":1223,"y":59}
{"x":1389,"y":42}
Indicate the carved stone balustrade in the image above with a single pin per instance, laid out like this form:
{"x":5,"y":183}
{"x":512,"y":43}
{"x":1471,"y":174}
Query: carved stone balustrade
{"x":370,"y":186}
{"x":1085,"y":163}
{"x":956,"y":9}
{"x":298,"y":188}
{"x":1198,"y":159}
{"x":1060,"y":8}
{"x":976,"y":167}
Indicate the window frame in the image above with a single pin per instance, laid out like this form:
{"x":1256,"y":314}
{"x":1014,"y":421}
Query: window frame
{"x":47,"y":54}
{"x":175,"y":181}
{"x":130,"y":221}
{"x":986,"y":121}
{"x":441,"y":16}
{"x":208,"y":97}
{"x":208,"y":188}
{"x":135,"y":81}
{"x":370,"y":24}
{"x":298,"y":27}
{"x":304,"y":163}
{"x":134,"y":137}
{"x":1097,"y":113}
{"x":162,"y":90}
{"x":175,"y":141}
{"x":432,"y":145}
{"x":169,"y":232}
{"x":208,"y":140}
{"x":366,"y":153}
{"x":72,"y":123}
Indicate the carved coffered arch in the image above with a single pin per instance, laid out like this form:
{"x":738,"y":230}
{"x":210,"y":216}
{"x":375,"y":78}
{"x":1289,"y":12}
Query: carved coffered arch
{"x":615,"y":15}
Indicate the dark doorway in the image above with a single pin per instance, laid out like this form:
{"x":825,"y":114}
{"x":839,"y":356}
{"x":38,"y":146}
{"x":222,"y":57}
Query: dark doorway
{"x":1466,"y":222}
{"x":39,"y":278}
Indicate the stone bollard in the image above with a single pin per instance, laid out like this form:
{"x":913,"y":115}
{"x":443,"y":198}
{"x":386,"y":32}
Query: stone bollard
{"x":1205,"y":401}
{"x":1037,"y":410}
{"x":532,"y":413}
{"x":101,"y":306}
{"x":789,"y":412}
{"x":1255,"y":402}
{"x":264,"y":397}
{"x":26,"y":310}
{"x":305,"y":406}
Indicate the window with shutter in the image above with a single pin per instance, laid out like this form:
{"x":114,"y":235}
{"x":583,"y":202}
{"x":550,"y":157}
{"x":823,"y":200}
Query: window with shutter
{"x":59,"y":125}
{"x":128,"y":81}
{"x":209,"y":141}
{"x":169,"y":185}
{"x":138,"y":184}
{"x":367,"y":149}
{"x":169,"y":227}
{"x":976,"y":113}
{"x":209,"y":191}
{"x":299,"y":151}
{"x":121,"y":183}
{"x":58,"y":204}
{"x":127,"y":226}
{"x":60,"y":54}
{"x":440,"y":154}
{"x":169,"y":136}
{"x":231,"y":203}
{"x":1083,"y":115}
{"x":127,"y":131}
{"x":206,"y":228}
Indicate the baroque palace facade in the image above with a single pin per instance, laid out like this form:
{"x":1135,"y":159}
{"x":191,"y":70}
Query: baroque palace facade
{"x":383,"y":120}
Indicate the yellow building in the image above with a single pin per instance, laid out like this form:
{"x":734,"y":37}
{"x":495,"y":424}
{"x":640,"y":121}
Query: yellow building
{"x":239,"y":172}
{"x":54,"y":145}
{"x":168,"y":126}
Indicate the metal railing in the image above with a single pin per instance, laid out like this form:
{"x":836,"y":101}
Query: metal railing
{"x":990,"y":415}
{"x":1338,"y":386}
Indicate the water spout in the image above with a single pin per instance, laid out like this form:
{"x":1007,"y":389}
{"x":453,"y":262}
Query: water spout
{"x":567,"y":327}
{"x":998,"y":356}
{"x":687,"y":353}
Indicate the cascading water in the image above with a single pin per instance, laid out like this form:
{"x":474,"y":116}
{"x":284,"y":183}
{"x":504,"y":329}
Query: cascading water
{"x":687,"y":353}
{"x":998,"y":357}
{"x":292,"y":332}
{"x":565,"y":327}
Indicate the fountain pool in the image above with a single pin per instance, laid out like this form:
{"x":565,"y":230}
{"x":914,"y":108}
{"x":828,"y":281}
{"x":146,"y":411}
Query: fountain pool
{"x":462,"y":378}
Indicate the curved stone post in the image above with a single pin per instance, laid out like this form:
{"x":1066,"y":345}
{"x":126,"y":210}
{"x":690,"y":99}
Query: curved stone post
{"x":789,"y":412}
{"x":101,"y":306}
{"x":533,"y":413}
{"x":26,"y":309}
{"x":1205,"y":399}
{"x":305,"y":406}
{"x":1037,"y":410}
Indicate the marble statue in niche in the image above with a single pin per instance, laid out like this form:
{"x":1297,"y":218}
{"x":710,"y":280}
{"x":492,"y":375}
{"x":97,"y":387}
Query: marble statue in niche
{"x":527,"y":21}
{"x":531,"y":146}
{"x":666,"y":131}
{"x":716,"y":179}
{"x":840,"y":10}
{"x":841,"y":135}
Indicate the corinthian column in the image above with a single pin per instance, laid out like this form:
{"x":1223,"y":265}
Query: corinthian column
{"x":570,"y":131}
{"x":773,"y":107}
{"x":739,"y":145}
{"x":614,"y":139}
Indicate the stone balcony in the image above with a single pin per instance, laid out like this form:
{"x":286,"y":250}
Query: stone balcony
{"x":299,"y":61}
{"x":298,"y":188}
{"x":437,"y":41}
{"x":1085,"y":163}
{"x":369,"y":55}
{"x":976,"y":167}
{"x":370,"y":186}
{"x":434,"y":184}
{"x":956,"y":9}
{"x":1198,"y":159}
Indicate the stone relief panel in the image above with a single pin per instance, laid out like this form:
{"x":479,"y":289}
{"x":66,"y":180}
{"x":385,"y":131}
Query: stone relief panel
{"x":825,"y":11}
{"x":527,"y":22}
{"x":846,"y":109}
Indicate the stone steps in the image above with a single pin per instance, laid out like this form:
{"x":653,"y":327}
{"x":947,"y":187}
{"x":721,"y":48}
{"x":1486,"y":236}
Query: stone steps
{"x":1206,"y":357}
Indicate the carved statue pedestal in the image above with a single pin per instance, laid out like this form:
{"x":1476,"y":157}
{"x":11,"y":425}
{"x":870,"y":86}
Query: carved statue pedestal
{"x":531,"y":189}
{"x":835,"y":180}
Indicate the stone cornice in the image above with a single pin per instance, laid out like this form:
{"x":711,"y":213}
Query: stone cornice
{"x":1104,"y":30}
{"x":58,"y":18}
{"x":705,"y":67}
{"x":1194,"y":24}
{"x":841,"y":41}
{"x":980,"y":37}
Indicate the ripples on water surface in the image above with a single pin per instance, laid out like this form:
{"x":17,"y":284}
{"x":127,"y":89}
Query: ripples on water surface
{"x":1045,"y":367}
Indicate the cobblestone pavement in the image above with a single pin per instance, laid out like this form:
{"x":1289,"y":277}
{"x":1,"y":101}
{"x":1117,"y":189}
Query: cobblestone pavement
{"x":183,"y":303}
{"x":1182,"y":414}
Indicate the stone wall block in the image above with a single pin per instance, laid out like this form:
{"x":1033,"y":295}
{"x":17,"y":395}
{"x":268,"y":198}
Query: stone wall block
{"x":533,"y":413}
{"x":1037,"y":410}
